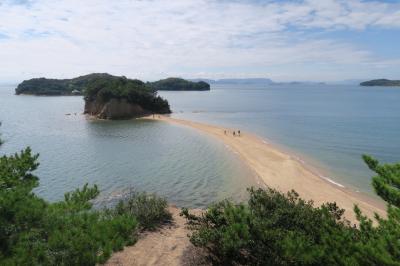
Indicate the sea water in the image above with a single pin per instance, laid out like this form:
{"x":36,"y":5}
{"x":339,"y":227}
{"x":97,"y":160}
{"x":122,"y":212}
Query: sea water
{"x":326,"y":126}
{"x":181,"y":164}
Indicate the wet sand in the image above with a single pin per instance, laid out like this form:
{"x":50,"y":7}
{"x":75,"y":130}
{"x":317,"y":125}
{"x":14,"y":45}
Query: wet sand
{"x":284,"y":172}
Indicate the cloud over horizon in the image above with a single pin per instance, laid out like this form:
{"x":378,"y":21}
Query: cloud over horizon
{"x":283,"y":40}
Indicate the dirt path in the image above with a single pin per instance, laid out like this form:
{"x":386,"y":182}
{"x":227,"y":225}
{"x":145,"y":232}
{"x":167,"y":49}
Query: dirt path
{"x":167,"y":246}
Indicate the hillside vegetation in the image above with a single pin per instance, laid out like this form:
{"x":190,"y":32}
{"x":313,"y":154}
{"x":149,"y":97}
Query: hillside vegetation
{"x":77,"y":86}
{"x":131,"y":98}
{"x":178,"y":84}
{"x":54,"y":87}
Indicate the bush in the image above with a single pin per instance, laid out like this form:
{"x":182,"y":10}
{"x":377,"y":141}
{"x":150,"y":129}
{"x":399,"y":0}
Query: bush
{"x":149,"y":209}
{"x":272,"y":229}
{"x":69,"y":232}
{"x":282,"y":229}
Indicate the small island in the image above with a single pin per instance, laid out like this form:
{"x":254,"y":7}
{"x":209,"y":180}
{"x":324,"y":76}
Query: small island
{"x":57,"y":87}
{"x":111,"y":97}
{"x":178,"y":84}
{"x":77,"y":86}
{"x":381,"y":82}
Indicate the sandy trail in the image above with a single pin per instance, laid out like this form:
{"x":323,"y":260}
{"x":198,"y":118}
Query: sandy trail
{"x":167,"y":246}
{"x":284,"y":172}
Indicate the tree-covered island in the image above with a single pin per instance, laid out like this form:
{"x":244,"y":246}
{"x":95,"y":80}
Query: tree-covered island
{"x":179,"y":84}
{"x":110,"y":97}
{"x":106,"y":96}
{"x":77,"y":86}
{"x":381,"y":82}
{"x":56,"y":87}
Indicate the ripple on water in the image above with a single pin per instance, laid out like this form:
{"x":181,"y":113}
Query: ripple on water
{"x":186,"y":167}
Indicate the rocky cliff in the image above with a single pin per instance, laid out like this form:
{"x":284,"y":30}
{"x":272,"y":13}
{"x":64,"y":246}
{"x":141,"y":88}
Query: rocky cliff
{"x":114,"y":109}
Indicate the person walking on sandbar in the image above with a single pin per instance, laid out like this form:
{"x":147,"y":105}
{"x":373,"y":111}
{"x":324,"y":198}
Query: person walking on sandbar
{"x":239,"y":133}
{"x":234,"y":133}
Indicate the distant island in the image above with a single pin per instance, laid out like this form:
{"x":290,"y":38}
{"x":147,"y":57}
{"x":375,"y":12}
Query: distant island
{"x":381,"y":82}
{"x":76,"y":86}
{"x":56,"y":87}
{"x":111,"y":97}
{"x":179,"y":84}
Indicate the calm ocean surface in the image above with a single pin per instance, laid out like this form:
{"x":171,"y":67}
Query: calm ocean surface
{"x":179,"y":163}
{"x":327,"y":126}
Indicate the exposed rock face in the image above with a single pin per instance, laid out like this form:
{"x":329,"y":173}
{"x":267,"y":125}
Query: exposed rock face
{"x":114,"y":109}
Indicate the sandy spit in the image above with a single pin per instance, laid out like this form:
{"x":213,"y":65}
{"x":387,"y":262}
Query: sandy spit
{"x":170,"y":244}
{"x":284,"y":172}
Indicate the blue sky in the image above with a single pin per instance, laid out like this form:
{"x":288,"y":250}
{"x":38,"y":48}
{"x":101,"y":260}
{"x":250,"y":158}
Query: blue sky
{"x":321,"y":40}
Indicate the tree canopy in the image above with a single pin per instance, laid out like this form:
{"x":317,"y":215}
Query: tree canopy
{"x":178,"y":84}
{"x":103,"y":89}
{"x":44,"y":86}
{"x":78,"y":85}
{"x":282,"y":229}
{"x":70,"y":232}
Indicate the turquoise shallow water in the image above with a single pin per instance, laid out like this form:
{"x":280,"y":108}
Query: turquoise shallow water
{"x":328,"y":126}
{"x":188,"y":168}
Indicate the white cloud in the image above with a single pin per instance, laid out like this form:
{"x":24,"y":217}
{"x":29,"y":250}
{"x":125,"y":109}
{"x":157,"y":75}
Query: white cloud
{"x":153,"y":39}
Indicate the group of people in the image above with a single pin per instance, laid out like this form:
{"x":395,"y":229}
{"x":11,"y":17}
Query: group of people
{"x":234,"y":133}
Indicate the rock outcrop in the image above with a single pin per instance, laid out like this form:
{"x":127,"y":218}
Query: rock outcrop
{"x":114,"y":109}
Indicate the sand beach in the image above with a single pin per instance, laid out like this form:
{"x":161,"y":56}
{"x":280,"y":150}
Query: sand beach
{"x":282,"y":171}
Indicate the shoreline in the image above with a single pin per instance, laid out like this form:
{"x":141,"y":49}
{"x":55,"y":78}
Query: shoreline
{"x":283,"y":171}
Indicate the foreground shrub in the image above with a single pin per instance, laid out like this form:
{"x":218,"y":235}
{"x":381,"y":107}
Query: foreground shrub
{"x":149,"y":209}
{"x":69,"y":232}
{"x":282,"y":229}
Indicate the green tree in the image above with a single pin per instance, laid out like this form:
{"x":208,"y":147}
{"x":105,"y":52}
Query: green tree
{"x":282,"y":229}
{"x":381,"y":244}
{"x":69,"y":232}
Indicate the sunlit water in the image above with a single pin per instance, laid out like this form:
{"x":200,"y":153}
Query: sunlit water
{"x":327,"y":126}
{"x":188,"y":168}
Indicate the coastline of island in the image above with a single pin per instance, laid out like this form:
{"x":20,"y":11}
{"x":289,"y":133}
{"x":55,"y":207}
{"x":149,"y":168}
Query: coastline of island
{"x":381,"y":83}
{"x":282,"y":171}
{"x":77,"y":86}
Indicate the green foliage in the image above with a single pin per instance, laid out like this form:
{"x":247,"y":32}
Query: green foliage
{"x":387,"y":182}
{"x":273,"y":229}
{"x":98,"y":86}
{"x":106,"y":88}
{"x":178,"y":84}
{"x":149,"y":209}
{"x":383,"y":242}
{"x":278,"y":229}
{"x":69,"y":232}
{"x":44,"y":86}
{"x":381,"y":82}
